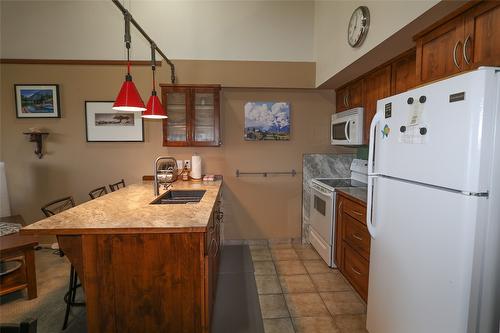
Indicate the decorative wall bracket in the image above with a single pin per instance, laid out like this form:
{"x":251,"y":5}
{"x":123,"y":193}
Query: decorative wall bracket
{"x":37,"y":138}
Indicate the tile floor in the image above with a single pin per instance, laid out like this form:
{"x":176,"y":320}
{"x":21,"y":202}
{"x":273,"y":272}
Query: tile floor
{"x":299,"y":293}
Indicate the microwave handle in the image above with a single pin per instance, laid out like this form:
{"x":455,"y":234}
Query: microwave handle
{"x":347,"y":124}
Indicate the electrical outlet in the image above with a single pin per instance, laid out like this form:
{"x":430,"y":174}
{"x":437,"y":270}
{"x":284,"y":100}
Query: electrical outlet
{"x":187,"y":163}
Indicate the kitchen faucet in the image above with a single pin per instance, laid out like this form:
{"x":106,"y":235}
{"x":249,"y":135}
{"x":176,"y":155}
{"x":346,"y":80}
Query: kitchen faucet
{"x":166,"y":175}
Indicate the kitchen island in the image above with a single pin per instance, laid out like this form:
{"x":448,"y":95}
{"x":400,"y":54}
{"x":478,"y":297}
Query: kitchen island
{"x":144,"y":267}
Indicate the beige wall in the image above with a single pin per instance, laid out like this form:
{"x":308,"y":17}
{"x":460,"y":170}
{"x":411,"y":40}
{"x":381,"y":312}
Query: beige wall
{"x":255,"y":207}
{"x":207,"y":29}
{"x":331,"y":50}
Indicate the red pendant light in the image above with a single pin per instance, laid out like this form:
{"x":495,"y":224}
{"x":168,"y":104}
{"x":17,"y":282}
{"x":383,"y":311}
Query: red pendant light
{"x":154,"y":109}
{"x":128,"y":98}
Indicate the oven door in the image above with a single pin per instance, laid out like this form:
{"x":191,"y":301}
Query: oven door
{"x":322,"y":203}
{"x":341,"y":132}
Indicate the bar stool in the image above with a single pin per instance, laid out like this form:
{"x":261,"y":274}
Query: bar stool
{"x":50,"y":209}
{"x":117,"y":186}
{"x":98,"y":192}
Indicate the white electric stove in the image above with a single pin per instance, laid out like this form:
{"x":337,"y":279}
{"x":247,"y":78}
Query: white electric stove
{"x":323,"y":203}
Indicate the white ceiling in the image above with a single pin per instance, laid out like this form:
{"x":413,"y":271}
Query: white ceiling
{"x":209,"y":30}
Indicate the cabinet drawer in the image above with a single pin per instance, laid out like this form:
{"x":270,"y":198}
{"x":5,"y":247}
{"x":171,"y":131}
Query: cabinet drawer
{"x":356,"y":269}
{"x":355,"y":210}
{"x":357,"y":236}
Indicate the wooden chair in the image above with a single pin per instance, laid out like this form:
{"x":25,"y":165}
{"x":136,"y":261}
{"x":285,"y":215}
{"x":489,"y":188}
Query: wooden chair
{"x":50,"y":209}
{"x":57,"y":206}
{"x":117,"y":186}
{"x":98,"y":192}
{"x":28,"y":326}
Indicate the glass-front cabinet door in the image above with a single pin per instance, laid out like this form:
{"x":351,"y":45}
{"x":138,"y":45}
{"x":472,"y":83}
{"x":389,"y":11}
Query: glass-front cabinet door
{"x":193,"y":115}
{"x":177,"y":122}
{"x":205,"y":117}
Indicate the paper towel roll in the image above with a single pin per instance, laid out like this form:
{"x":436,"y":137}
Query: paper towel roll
{"x":4,"y":194}
{"x":196,"y":167}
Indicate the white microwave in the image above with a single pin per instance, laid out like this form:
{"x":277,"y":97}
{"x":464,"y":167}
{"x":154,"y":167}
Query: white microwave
{"x":347,"y":128}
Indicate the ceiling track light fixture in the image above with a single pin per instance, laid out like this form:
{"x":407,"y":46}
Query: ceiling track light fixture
{"x":128,"y":98}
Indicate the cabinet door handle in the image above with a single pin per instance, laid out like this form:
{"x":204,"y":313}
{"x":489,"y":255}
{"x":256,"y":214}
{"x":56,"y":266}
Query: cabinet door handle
{"x":357,"y":213}
{"x":347,"y":98}
{"x":455,"y":61}
{"x":464,"y":50}
{"x":355,"y":271}
{"x":356,"y":236}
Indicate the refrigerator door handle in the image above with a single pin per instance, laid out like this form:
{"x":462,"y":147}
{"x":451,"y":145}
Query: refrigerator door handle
{"x":371,"y":175}
{"x":369,"y":204}
{"x":346,"y":131}
{"x":371,"y":143}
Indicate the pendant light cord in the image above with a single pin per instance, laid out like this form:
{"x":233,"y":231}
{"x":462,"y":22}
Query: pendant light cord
{"x":153,"y":65}
{"x":128,"y":39}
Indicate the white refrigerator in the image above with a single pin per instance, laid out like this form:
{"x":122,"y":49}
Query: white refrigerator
{"x":434,"y":208}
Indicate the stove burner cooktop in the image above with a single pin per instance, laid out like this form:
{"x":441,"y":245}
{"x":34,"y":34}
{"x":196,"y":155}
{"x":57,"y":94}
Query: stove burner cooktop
{"x":340,"y":182}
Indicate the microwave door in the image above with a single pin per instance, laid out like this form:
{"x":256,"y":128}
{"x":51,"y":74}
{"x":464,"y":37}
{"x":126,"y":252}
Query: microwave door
{"x":347,"y":131}
{"x":339,"y":131}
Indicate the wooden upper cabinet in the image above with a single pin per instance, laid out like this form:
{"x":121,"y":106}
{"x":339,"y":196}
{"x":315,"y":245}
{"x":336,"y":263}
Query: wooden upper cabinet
{"x":377,"y":85}
{"x":349,"y":96}
{"x":193,"y":115}
{"x":439,"y":52}
{"x":465,"y":41}
{"x":482,"y":35}
{"x":340,"y":99}
{"x":403,"y":75}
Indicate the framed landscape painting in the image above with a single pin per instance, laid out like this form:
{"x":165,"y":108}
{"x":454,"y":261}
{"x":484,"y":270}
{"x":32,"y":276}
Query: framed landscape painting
{"x":267,"y":121}
{"x":37,"y":101}
{"x":103,"y":124}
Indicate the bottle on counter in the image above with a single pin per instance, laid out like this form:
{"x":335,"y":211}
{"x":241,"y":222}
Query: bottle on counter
{"x":185,"y":172}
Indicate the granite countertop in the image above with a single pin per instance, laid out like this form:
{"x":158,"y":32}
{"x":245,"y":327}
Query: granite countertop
{"x":128,"y":210}
{"x":359,"y":193}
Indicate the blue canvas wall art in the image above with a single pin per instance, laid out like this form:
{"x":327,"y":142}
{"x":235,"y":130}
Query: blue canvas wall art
{"x":267,"y":121}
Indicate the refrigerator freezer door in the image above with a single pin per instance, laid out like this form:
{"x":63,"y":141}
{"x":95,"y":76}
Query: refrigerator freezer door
{"x":421,"y":260}
{"x":440,"y":134}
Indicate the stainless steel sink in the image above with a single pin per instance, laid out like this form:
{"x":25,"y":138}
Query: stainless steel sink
{"x":179,"y":197}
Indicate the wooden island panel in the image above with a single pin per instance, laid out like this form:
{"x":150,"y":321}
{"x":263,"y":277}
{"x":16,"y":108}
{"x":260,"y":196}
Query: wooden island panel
{"x":141,"y":282}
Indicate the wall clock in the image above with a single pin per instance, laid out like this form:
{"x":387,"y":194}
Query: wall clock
{"x":358,"y":26}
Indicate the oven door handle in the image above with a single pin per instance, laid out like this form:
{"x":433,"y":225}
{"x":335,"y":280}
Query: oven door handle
{"x":346,"y":130}
{"x":323,"y":192}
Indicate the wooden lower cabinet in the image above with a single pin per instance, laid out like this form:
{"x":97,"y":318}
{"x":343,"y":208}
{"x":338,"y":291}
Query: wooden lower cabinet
{"x":147,"y":282}
{"x":356,"y":270}
{"x":212,"y":259}
{"x":352,"y":249}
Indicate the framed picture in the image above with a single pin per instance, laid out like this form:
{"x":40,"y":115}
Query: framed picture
{"x":267,"y":121}
{"x":103,"y":124}
{"x":37,"y":101}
